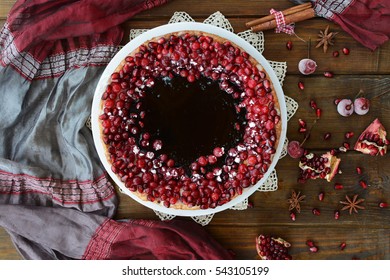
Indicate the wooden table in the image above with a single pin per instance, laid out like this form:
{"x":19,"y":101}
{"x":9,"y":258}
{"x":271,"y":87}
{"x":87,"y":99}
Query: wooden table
{"x":366,"y":234}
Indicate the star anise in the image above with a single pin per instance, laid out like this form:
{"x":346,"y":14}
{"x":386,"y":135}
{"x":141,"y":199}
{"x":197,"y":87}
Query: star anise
{"x":325,"y":39}
{"x":295,"y":200}
{"x":352,"y":204}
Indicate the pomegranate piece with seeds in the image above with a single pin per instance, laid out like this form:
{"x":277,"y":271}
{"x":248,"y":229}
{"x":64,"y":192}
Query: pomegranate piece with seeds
{"x":272,"y":248}
{"x":313,"y":166}
{"x":373,"y":140}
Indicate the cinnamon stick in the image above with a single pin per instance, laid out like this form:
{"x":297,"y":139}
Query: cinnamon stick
{"x":289,"y":11}
{"x":296,"y":17}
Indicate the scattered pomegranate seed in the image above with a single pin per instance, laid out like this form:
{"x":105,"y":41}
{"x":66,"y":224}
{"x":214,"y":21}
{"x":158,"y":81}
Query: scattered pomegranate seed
{"x":218,"y":152}
{"x":321,"y":196}
{"x":250,"y":204}
{"x":302,"y":129}
{"x":343,"y":149}
{"x":359,"y":170}
{"x":301,"y":85}
{"x":316,"y":211}
{"x":383,"y":205}
{"x":327,"y":136}
{"x":343,"y":245}
{"x":313,"y":105}
{"x":363,"y":184}
{"x":289,"y":45}
{"x":318,"y":113}
{"x":310,"y":243}
{"x":292,"y":216}
{"x":336,"y":214}
{"x":338,"y":186}
{"x":314,"y":249}
{"x":335,"y":54}
{"x":346,"y":51}
{"x":346,"y":145}
{"x":349,"y":134}
{"x":328,"y":74}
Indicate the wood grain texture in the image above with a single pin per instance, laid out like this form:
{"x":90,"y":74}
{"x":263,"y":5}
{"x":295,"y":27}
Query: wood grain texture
{"x":366,"y":234}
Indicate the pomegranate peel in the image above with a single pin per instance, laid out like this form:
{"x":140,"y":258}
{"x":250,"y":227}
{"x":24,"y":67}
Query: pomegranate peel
{"x":373,"y":140}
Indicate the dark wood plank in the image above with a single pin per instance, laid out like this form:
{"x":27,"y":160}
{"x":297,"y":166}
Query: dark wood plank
{"x":361,"y":243}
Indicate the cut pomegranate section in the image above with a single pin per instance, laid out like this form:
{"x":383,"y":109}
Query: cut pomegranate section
{"x":272,"y":248}
{"x":314,"y":166}
{"x":373,"y":140}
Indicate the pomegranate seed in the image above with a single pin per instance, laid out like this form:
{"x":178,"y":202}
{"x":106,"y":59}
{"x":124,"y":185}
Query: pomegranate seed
{"x":343,"y":149}
{"x":313,"y":105}
{"x":346,"y":145}
{"x":218,"y":152}
{"x":343,"y":245}
{"x":337,"y":101}
{"x":292,"y":216}
{"x":335,"y":54}
{"x":359,"y":170}
{"x":346,"y":51}
{"x":383,"y":205}
{"x":302,"y":129}
{"x":349,"y":134}
{"x":327,"y":136}
{"x":310,"y":243}
{"x":202,"y":161}
{"x":250,"y":204}
{"x":328,"y":74}
{"x":336,"y":214}
{"x":321,"y":196}
{"x":316,"y":212}
{"x":318,"y":113}
{"x":301,"y":85}
{"x":313,"y":249}
{"x":363,"y":184}
{"x":289,"y":45}
{"x":302,"y":123}
{"x":338,"y":186}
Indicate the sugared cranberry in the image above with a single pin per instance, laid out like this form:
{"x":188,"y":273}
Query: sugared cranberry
{"x":361,"y":105}
{"x":345,"y":107}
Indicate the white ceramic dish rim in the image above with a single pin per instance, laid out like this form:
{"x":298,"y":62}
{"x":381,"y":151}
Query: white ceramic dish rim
{"x":157,"y":32}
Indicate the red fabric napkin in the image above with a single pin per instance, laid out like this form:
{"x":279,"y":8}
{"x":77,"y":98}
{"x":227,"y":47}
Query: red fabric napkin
{"x":368,"y":21}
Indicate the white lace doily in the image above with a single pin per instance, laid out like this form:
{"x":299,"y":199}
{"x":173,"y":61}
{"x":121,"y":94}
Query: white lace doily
{"x":280,"y":68}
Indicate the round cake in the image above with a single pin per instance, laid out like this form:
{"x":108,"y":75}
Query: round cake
{"x":189,"y":120}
